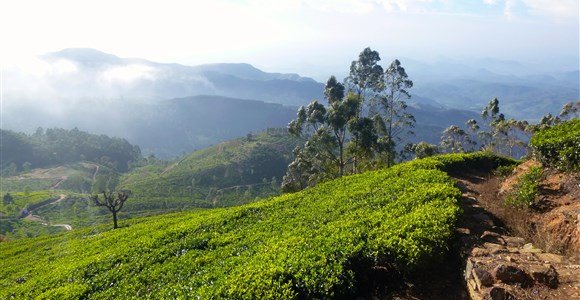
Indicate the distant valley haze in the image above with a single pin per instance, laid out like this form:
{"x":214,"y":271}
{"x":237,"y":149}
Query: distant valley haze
{"x":177,"y":76}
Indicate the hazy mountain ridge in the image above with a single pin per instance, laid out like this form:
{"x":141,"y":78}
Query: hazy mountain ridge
{"x":127,"y":97}
{"x":134,"y":77}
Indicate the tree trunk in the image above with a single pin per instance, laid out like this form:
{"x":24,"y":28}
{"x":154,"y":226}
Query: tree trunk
{"x":341,"y":162}
{"x":115,"y":220}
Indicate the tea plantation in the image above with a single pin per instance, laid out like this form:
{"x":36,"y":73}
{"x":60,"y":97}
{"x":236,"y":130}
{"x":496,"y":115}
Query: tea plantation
{"x":311,"y":244}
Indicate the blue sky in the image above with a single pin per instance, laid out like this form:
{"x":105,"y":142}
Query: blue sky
{"x":313,"y":38}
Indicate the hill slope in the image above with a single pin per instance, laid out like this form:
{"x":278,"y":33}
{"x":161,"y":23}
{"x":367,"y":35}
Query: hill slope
{"x":229,"y":173}
{"x":318,"y":243}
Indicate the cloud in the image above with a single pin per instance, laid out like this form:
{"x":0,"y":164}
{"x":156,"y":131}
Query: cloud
{"x":128,"y":73}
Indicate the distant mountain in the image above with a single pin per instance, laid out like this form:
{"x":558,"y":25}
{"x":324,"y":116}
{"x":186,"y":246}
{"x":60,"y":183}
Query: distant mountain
{"x":247,"y":71}
{"x":524,"y":92}
{"x":128,"y":97}
{"x":98,"y":74}
{"x":182,"y":125}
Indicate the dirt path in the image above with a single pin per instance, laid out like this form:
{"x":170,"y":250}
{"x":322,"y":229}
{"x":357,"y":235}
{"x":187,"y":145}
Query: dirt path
{"x":62,"y":179}
{"x":498,"y":265}
{"x":96,"y":172}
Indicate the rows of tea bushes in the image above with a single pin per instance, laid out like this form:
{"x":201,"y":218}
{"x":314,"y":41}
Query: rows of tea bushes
{"x":559,"y":146}
{"x":311,"y":244}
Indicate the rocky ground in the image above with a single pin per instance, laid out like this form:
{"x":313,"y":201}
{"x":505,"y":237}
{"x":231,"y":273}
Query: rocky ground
{"x":500,"y":265}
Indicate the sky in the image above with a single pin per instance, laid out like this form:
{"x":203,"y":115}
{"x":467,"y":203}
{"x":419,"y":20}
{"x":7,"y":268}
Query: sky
{"x":306,"y":37}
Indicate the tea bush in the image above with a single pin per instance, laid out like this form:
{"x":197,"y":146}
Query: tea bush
{"x":559,"y":146}
{"x":301,"y":245}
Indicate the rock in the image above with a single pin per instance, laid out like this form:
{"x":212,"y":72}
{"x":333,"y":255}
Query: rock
{"x":550,"y":257}
{"x":494,"y":248}
{"x":468,"y":267}
{"x":498,"y":293}
{"x":510,"y":259}
{"x":477,"y":252}
{"x":513,"y":241}
{"x":545,"y":275}
{"x":482,"y":278}
{"x":492,"y":237}
{"x":511,"y":275}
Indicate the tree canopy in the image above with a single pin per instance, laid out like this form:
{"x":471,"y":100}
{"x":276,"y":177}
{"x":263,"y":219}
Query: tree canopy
{"x":359,"y":128}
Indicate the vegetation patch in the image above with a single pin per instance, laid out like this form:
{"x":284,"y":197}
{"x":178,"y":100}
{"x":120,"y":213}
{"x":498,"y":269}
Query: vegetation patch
{"x":230,"y":173}
{"x":559,"y":146}
{"x":526,"y":189}
{"x":301,"y":245}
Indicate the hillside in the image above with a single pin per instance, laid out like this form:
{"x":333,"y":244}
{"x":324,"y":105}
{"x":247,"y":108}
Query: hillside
{"x":229,"y":173}
{"x":54,"y":146}
{"x":319,"y":243}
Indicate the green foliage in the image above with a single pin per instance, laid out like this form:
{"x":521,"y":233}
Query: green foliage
{"x":504,"y":171}
{"x":526,"y":189}
{"x":359,"y":129}
{"x":212,"y":177}
{"x":301,"y":245}
{"x":559,"y":146}
{"x":22,"y":200}
{"x":15,"y":229}
{"x":498,"y":134}
{"x":59,"y":146}
{"x":424,"y":149}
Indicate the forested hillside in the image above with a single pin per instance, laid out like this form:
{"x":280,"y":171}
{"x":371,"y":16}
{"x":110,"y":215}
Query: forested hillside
{"x":22,"y":152}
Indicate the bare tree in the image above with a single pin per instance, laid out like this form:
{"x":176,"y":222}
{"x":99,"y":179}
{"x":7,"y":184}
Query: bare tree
{"x":114,"y":201}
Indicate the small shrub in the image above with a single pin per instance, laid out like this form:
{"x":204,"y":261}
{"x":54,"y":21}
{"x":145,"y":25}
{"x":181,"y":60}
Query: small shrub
{"x":559,"y":146}
{"x":504,"y":171}
{"x":526,"y":189}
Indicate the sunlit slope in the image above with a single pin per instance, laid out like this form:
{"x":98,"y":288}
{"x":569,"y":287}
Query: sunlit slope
{"x":229,"y":173}
{"x":311,"y":244}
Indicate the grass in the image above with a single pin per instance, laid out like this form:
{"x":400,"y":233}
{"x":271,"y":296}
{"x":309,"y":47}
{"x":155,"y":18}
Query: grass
{"x":311,"y":244}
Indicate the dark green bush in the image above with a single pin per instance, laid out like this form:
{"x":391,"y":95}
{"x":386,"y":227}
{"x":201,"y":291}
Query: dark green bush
{"x":559,"y":146}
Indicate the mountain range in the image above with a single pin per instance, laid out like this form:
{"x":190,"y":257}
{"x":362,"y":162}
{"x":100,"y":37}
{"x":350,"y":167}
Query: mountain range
{"x":171,"y":109}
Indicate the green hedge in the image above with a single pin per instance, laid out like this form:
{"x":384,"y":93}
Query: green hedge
{"x":559,"y":146}
{"x":310,"y":244}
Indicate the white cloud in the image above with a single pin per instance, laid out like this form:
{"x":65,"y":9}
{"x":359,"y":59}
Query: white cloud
{"x":128,"y":74}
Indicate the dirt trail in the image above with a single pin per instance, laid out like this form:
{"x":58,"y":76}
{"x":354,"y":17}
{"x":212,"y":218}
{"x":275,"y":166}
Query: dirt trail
{"x":498,"y":265}
{"x":62,"y":179}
